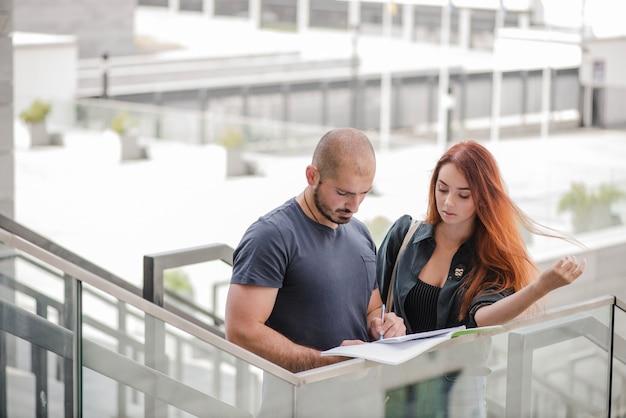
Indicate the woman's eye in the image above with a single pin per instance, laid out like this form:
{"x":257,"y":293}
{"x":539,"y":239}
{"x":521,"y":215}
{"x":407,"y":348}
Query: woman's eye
{"x":464,"y":196}
{"x":443,"y":190}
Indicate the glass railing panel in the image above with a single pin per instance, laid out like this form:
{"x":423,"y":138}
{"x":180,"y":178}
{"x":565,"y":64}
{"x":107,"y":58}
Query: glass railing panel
{"x":144,"y":354}
{"x":36,"y":338}
{"x":204,"y":285}
{"x":557,"y":367}
{"x":618,"y":385}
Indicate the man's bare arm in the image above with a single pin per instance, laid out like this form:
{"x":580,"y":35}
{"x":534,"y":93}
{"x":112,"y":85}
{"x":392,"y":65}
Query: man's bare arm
{"x":247,"y":309}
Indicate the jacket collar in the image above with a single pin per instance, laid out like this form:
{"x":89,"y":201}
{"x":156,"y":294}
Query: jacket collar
{"x":423,"y":231}
{"x":426,"y":231}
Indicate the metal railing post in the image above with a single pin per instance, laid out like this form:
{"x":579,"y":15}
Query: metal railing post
{"x":39,"y":367}
{"x":154,"y":333}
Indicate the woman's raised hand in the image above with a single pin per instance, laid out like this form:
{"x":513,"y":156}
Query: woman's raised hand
{"x":564,"y":272}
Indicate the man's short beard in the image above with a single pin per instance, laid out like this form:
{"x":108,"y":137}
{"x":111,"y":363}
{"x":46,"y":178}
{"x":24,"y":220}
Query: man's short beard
{"x":326,"y":213}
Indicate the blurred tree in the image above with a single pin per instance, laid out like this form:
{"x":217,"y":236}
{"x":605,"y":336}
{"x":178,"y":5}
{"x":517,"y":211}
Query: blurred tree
{"x":378,"y":226}
{"x":177,"y":281}
{"x":591,"y":210}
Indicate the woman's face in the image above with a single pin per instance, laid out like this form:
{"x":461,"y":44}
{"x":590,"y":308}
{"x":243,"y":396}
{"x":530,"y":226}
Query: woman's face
{"x":454,"y":197}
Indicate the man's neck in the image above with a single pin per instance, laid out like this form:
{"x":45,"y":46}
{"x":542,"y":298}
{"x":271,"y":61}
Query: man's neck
{"x":307,"y":204}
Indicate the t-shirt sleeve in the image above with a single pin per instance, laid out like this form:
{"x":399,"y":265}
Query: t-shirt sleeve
{"x":261,"y":258}
{"x":484,"y":299}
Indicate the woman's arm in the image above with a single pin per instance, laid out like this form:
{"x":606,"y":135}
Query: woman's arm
{"x":565,"y":271}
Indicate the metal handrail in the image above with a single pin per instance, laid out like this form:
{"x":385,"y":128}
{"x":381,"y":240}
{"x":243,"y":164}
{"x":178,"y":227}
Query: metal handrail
{"x":82,"y":274}
{"x":31,"y":236}
{"x":166,"y":316}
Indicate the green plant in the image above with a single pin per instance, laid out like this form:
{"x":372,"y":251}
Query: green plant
{"x":122,"y":123}
{"x":36,"y":112}
{"x":591,"y":210}
{"x":231,"y":138}
{"x":178,"y":282}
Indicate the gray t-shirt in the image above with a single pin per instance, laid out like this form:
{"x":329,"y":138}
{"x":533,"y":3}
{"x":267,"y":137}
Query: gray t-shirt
{"x":325,"y":276}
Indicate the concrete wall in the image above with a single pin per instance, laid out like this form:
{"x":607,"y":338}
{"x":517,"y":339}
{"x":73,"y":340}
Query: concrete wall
{"x":45,"y":68}
{"x":611,"y":51}
{"x":612,"y":79}
{"x":7,"y":178}
{"x":99,"y":25}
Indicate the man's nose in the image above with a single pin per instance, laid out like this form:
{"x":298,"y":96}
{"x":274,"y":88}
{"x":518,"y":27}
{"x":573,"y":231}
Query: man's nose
{"x":353,"y":203}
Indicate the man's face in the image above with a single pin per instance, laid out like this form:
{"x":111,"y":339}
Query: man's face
{"x":338,"y":197}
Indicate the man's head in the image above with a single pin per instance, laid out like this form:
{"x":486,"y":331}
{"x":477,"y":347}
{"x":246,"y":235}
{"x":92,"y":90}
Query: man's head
{"x":341,"y":173}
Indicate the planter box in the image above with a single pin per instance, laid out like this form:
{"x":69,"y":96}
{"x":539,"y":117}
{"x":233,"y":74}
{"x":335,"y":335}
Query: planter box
{"x":38,"y":134}
{"x":130,"y":149}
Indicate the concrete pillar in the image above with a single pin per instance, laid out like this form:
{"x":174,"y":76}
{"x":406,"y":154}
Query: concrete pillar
{"x":587,"y":106}
{"x":408,"y":22}
{"x":174,"y":6}
{"x":8,"y":346}
{"x":324,"y":110}
{"x":523,"y":21}
{"x":304,"y":13}
{"x":385,"y":83}
{"x":465,"y":28}
{"x":208,"y":8}
{"x":254,"y":13}
{"x":444,"y":78}
{"x":354,"y":13}
{"x":7,"y":163}
{"x":546,"y":95}
{"x":496,"y":83}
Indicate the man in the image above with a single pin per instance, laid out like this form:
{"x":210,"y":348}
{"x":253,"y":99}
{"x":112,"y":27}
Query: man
{"x":304,"y":274}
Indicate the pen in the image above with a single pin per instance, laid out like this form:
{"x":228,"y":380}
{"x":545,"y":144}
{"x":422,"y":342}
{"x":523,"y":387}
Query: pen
{"x":382,"y":321}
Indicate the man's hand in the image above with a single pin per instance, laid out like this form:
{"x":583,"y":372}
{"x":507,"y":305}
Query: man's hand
{"x":564,"y":272}
{"x":392,"y":327}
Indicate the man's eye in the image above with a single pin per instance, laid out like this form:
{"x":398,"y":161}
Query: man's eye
{"x":340,"y":193}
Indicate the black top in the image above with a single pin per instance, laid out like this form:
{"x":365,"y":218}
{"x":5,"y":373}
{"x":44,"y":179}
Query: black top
{"x":325,"y":277}
{"x":417,"y":253}
{"x":421,"y":306}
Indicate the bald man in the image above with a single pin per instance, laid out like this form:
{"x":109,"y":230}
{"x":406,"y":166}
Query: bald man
{"x":304,"y":274}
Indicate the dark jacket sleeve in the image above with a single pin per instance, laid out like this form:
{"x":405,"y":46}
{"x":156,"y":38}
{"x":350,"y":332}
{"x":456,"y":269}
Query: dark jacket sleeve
{"x":388,"y":252}
{"x":484,"y":299}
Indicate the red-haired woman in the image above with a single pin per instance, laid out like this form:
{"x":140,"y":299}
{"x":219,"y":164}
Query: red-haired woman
{"x":466,"y":264}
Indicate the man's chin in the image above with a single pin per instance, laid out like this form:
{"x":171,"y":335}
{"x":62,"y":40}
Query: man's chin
{"x":343,"y":219}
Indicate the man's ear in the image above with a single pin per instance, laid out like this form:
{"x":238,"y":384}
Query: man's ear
{"x":312,"y":175}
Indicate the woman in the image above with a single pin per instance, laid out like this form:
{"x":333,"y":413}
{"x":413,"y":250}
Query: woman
{"x":466,"y":264}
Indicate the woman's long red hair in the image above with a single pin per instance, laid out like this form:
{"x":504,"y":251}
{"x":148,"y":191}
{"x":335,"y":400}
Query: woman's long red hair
{"x":502,"y":261}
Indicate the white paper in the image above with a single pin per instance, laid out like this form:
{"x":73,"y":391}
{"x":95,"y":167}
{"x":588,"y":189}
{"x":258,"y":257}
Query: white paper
{"x":392,"y":354}
{"x":419,"y":335}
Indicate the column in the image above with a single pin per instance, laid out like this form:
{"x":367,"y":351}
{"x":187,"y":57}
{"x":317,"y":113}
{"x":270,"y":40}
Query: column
{"x":7,"y":164}
{"x":174,"y":6}
{"x":385,"y":82}
{"x":546,"y":95}
{"x":408,"y":22}
{"x":208,"y":8}
{"x":444,"y":79}
{"x":7,"y":178}
{"x":496,"y":83}
{"x":254,"y":13}
{"x":304,"y":11}
{"x":354,"y":13}
{"x":465,"y":28}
